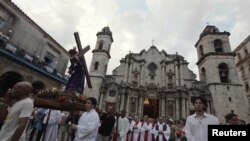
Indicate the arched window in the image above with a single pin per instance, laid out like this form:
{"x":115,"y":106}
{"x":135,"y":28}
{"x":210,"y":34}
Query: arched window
{"x":105,"y":71}
{"x":8,"y":80}
{"x":101,"y":44}
{"x":96,"y":65}
{"x":203,"y":75}
{"x":170,"y":78}
{"x":218,"y":45}
{"x":201,"y":50}
{"x":223,"y":72}
{"x":152,"y":67}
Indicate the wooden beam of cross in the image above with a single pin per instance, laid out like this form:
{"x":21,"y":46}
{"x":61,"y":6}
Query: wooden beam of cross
{"x":81,"y":57}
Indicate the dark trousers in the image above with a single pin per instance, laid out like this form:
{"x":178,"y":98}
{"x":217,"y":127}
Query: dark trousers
{"x":39,"y":133}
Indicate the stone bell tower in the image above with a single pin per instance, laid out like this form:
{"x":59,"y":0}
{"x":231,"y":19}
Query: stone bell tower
{"x":218,"y":70}
{"x":99,"y":63}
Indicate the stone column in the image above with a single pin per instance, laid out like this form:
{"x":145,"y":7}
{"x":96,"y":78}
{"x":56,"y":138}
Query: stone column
{"x":163,"y":107}
{"x":166,"y":103}
{"x":140,"y":106}
{"x":162,"y":76}
{"x":122,"y":101}
{"x":128,"y":103}
{"x":177,"y":110}
{"x":142,"y":73}
{"x":208,"y":107}
{"x":183,"y":108}
{"x":130,"y":72}
{"x":176,"y":74}
{"x":100,"y":102}
{"x":126,"y":72}
{"x":137,"y":105}
{"x":165,"y":77}
{"x":181,"y":81}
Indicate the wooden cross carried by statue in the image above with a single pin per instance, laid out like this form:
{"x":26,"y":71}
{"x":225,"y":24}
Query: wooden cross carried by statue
{"x":81,"y":57}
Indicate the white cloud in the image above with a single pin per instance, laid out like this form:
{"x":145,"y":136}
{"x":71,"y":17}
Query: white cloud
{"x":174,"y":25}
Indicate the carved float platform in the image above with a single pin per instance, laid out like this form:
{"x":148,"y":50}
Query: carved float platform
{"x":57,"y":100}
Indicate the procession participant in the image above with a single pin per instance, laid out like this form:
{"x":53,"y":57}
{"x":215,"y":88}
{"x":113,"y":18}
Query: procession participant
{"x":37,"y":122}
{"x":88,"y":123}
{"x":51,"y":120}
{"x":121,"y":127}
{"x":144,"y":132}
{"x":18,"y":114}
{"x":136,"y":129}
{"x":149,"y":136}
{"x":232,"y":119}
{"x":161,"y":131}
{"x":196,"y":128}
{"x":107,"y":124}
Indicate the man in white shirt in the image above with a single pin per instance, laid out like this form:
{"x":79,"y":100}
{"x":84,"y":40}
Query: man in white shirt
{"x":89,"y":122}
{"x":18,"y":114}
{"x":196,"y":128}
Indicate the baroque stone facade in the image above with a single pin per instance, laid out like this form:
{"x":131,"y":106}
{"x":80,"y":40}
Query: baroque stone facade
{"x":156,"y":83}
{"x":242,"y":60}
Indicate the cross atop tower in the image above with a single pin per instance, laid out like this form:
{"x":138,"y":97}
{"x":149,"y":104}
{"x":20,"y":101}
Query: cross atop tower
{"x":153,"y":42}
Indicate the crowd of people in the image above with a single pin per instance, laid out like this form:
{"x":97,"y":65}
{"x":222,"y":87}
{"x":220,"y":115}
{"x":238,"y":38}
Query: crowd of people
{"x":91,"y":125}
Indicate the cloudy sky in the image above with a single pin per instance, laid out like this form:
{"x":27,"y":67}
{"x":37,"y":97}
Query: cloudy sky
{"x":175,"y":25}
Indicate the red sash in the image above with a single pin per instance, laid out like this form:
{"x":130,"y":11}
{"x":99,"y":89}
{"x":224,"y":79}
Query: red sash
{"x":153,"y":136}
{"x":132,"y":133}
{"x":146,"y":134}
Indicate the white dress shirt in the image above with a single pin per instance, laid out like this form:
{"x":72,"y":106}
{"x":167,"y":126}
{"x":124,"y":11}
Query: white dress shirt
{"x":196,"y":128}
{"x":87,"y":127}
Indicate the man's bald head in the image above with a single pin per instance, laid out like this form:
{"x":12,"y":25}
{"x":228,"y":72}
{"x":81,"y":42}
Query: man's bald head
{"x":21,"y":89}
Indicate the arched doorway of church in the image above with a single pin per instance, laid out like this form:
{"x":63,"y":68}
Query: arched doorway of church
{"x":151,"y":108}
{"x":8,"y":80}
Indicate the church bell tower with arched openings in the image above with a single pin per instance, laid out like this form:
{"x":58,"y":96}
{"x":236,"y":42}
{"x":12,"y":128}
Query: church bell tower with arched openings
{"x":218,"y":70}
{"x":99,"y":63}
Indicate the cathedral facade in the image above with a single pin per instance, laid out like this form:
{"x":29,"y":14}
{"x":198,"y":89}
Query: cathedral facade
{"x":155,"y":83}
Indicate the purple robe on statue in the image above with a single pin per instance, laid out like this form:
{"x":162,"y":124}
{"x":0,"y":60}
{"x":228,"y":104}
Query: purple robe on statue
{"x":76,"y":80}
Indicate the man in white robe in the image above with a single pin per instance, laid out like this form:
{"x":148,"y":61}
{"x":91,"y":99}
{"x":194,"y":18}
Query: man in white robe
{"x":161,"y":131}
{"x":88,"y":124}
{"x":148,"y":125}
{"x":136,"y":129}
{"x":121,"y":127}
{"x":52,"y":125}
